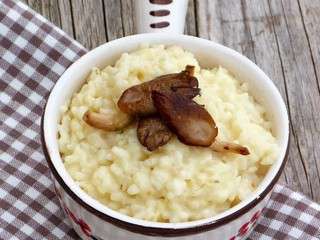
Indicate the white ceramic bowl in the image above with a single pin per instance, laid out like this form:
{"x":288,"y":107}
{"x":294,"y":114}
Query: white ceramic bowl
{"x":93,"y":220}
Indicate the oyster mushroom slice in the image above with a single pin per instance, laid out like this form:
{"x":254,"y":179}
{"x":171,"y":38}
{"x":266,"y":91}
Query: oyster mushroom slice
{"x":137,"y":99}
{"x":221,"y":146}
{"x":190,"y":121}
{"x":152,"y":132}
{"x":107,"y":122}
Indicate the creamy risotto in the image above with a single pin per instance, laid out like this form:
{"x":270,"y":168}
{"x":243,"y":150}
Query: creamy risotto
{"x":175,"y":183}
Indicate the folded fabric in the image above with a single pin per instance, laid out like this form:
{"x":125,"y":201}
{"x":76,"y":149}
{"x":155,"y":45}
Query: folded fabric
{"x":33,"y":54}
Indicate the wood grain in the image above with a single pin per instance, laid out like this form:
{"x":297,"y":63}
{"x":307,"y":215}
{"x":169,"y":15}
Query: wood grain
{"x":302,"y":91}
{"x":89,"y":22}
{"x":310,"y":11}
{"x":66,"y":17}
{"x":191,"y":23}
{"x":127,"y":15}
{"x":280,"y":36}
{"x":48,"y":8}
{"x":114,"y":27}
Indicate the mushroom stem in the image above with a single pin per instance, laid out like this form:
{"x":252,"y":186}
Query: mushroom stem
{"x":190,"y":70}
{"x":105,"y":122}
{"x":221,"y":146}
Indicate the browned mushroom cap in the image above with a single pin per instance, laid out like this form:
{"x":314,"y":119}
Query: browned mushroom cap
{"x":187,"y":92}
{"x":152,"y":132}
{"x":137,"y":100}
{"x":192,"y":124}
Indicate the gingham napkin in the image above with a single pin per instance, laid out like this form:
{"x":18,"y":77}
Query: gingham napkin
{"x":33,"y":54}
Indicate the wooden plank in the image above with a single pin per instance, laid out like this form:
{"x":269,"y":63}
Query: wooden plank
{"x":47,"y":8}
{"x":191,"y":24}
{"x":127,"y":14}
{"x":66,"y":17}
{"x":119,"y":17}
{"x":260,"y":23}
{"x":208,"y":20}
{"x":310,"y":11}
{"x":35,"y":5}
{"x":56,"y":11}
{"x":88,"y":21}
{"x":223,"y":22}
{"x":112,"y":11}
{"x":302,"y":91}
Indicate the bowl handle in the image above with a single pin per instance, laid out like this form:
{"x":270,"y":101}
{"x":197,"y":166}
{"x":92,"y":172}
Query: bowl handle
{"x":165,"y":16}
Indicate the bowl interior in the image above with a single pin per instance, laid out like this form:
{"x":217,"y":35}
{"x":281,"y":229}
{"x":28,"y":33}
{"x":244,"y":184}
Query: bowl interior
{"x":209,"y":54}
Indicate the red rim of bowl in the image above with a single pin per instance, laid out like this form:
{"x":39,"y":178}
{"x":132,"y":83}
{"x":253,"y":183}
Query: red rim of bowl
{"x":154,"y":231}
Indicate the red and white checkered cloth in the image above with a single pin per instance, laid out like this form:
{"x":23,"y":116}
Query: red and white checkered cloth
{"x":33,"y":54}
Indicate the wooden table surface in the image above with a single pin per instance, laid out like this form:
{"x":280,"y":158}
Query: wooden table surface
{"x":280,"y":36}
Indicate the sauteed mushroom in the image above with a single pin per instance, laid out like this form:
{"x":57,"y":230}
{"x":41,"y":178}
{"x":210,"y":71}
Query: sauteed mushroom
{"x":137,"y":99}
{"x":152,"y":132}
{"x":221,"y":146}
{"x":190,"y":121}
{"x":106,"y":122}
{"x":171,"y":97}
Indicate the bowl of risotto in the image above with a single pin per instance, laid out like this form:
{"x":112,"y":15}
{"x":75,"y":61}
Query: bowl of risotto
{"x":164,"y":136}
{"x":117,"y":178}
